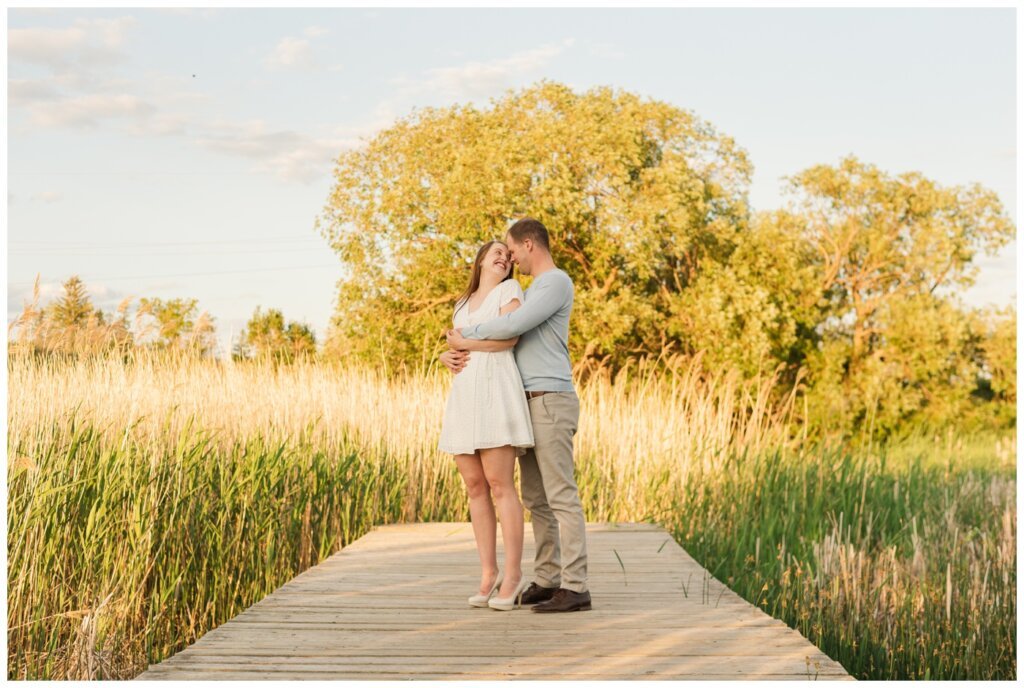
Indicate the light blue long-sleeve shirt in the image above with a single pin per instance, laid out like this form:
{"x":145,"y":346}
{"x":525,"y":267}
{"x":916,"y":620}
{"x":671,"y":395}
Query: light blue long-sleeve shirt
{"x":542,"y":325}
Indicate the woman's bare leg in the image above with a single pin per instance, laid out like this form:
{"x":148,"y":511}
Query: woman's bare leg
{"x":499,"y":467}
{"x":481,"y":513}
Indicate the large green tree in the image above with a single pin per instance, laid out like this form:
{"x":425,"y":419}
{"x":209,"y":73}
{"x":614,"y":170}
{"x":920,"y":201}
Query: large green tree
{"x":892,"y":345}
{"x":848,"y":287}
{"x":637,"y":194}
{"x":758,"y":309}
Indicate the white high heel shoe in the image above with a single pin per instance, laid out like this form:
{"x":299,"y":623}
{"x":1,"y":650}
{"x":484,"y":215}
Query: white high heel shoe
{"x":504,"y":604}
{"x":481,"y":600}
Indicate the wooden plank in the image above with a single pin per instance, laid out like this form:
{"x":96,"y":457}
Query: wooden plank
{"x":723,"y":666}
{"x":376,"y":675}
{"x":686,"y":659}
{"x":392,"y":605}
{"x":516,"y":647}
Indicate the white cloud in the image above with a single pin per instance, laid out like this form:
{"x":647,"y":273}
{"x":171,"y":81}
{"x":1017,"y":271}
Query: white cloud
{"x":291,"y":155}
{"x":88,"y":110}
{"x":250,"y":139}
{"x":48,"y":107}
{"x":309,"y":162}
{"x":80,"y":92}
{"x":297,"y":53}
{"x":75,"y":95}
{"x":158,"y":104}
{"x":291,"y":53}
{"x":87,"y":41}
{"x":480,"y":79}
{"x":25,"y":92}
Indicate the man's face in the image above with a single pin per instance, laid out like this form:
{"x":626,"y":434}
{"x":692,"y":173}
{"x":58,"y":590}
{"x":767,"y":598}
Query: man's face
{"x":520,"y":253}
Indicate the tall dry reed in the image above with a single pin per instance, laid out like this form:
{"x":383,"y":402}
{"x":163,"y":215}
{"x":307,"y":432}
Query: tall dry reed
{"x":152,"y":498}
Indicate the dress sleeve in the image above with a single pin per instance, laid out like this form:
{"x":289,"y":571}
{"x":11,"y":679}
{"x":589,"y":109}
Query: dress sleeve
{"x":511,"y":289}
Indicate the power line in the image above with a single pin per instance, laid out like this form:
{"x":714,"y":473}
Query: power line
{"x":149,"y":244}
{"x":190,"y":274}
{"x":103,"y":254}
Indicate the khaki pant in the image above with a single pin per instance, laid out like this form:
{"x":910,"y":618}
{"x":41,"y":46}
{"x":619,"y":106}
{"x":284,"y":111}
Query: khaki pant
{"x":550,"y":493}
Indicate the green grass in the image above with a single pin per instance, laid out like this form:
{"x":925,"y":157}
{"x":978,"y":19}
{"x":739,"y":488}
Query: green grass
{"x":898,"y":570}
{"x":161,"y":545}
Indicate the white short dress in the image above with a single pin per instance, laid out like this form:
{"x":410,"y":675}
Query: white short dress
{"x":487,"y":406}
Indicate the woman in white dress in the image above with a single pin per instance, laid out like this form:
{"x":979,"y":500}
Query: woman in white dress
{"x":487,"y":424}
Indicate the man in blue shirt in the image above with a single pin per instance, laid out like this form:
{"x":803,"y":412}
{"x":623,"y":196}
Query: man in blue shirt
{"x":542,"y":356}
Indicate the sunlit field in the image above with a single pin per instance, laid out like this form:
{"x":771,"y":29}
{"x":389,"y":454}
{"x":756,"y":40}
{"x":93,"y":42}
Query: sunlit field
{"x":152,"y":500}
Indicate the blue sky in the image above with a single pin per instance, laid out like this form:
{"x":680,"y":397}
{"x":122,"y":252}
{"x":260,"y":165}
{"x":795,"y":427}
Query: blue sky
{"x":145,"y":180}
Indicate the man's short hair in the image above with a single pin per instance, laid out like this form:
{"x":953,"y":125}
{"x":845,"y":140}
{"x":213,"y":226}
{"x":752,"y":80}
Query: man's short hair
{"x":529,"y":228}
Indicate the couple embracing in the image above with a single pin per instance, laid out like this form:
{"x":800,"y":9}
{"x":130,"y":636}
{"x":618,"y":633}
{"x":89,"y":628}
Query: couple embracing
{"x":512,"y":396}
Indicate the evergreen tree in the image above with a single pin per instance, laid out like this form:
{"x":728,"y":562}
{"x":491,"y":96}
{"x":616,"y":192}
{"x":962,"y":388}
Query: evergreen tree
{"x":73,"y":308}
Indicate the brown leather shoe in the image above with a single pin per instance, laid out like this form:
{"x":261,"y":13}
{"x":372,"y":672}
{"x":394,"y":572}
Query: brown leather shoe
{"x":565,"y":600}
{"x":537,"y":593}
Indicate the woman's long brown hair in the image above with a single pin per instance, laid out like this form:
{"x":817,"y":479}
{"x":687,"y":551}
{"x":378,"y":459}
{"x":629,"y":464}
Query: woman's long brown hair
{"x":474,"y":279}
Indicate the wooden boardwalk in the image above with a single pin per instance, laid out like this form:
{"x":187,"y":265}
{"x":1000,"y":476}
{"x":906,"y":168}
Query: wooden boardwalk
{"x":392,"y":605}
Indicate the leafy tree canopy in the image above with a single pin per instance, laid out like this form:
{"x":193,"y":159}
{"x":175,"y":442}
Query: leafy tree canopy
{"x":635,"y":193}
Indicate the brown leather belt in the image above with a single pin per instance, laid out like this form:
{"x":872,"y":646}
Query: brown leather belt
{"x":531,"y":395}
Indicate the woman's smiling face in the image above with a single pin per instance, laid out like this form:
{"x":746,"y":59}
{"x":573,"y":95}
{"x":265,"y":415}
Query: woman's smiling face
{"x":497,"y":260}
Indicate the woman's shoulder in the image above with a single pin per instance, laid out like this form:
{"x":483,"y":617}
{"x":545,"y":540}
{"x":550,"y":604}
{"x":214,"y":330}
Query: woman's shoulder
{"x":460,"y":308}
{"x":512,"y":287}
